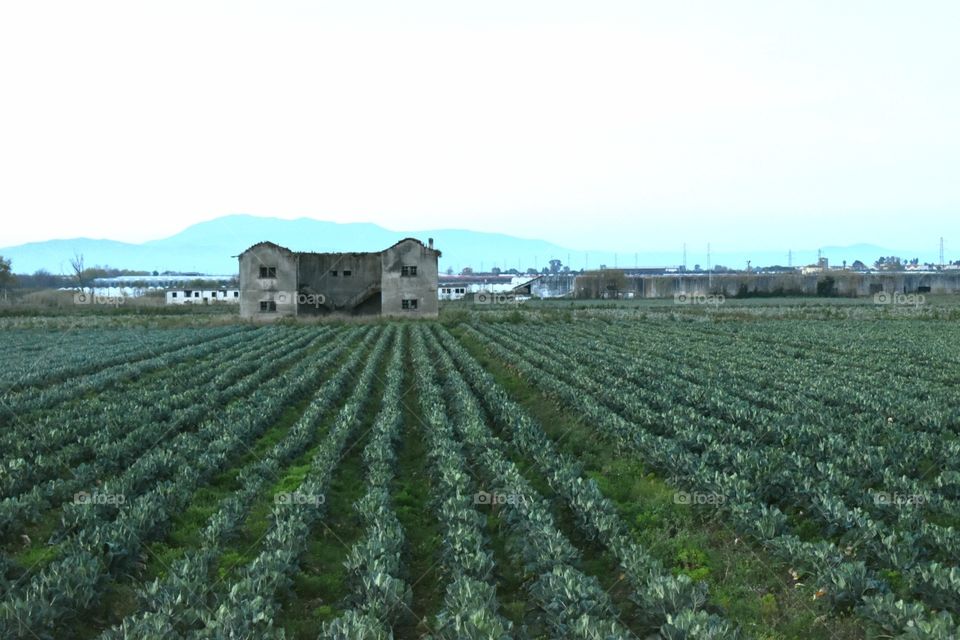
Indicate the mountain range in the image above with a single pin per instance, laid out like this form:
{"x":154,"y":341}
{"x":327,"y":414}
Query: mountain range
{"x":210,"y":247}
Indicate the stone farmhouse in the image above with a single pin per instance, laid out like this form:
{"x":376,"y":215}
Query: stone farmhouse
{"x":399,"y":281}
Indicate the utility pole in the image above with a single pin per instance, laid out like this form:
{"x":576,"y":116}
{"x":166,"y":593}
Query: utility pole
{"x":790,"y":258}
{"x":684,"y":256}
{"x":709,"y":271}
{"x":941,"y":252}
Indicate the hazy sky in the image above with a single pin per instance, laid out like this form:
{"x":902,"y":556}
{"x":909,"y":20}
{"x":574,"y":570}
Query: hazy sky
{"x":620,"y":125}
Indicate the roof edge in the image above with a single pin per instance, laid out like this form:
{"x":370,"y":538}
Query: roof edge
{"x":297,"y":253}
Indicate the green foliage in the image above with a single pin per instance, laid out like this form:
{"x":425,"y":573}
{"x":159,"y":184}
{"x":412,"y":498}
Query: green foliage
{"x":699,"y":468}
{"x":796,"y":458}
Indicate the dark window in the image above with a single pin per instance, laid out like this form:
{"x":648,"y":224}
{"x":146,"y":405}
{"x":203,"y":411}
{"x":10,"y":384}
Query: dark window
{"x":409,"y":304}
{"x":268,"y":272}
{"x":174,"y":294}
{"x":196,"y":294}
{"x":347,"y":273}
{"x":268,"y":305}
{"x":333,"y":273}
{"x":236,"y":294}
{"x":408,"y":271}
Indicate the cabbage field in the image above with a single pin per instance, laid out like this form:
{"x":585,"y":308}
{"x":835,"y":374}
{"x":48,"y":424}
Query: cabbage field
{"x":553,"y":475}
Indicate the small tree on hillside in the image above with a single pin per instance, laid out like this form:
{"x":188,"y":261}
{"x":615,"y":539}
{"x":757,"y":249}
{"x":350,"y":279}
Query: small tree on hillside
{"x":6,"y":276}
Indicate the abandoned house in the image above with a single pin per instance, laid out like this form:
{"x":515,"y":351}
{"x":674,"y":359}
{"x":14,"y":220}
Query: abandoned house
{"x":401,"y":280}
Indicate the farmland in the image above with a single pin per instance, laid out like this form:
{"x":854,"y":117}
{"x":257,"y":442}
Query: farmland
{"x":604,"y":472}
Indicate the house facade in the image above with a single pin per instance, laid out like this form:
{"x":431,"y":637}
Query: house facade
{"x":399,"y":281}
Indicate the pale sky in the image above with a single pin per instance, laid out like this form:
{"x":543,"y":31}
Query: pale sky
{"x":606,"y":125}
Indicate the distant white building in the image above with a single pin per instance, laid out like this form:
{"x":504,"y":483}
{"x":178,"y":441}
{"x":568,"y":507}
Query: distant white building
{"x":458,"y":287}
{"x":451,"y":293}
{"x":203,"y":296}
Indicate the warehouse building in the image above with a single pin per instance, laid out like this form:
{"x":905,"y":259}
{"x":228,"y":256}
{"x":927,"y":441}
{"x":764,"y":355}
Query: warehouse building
{"x":400,"y":281}
{"x":457,"y":287}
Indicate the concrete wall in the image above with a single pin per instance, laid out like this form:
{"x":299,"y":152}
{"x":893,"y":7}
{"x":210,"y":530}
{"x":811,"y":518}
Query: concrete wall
{"x":845,"y":283}
{"x":554,"y":285}
{"x":254,"y":289}
{"x":422,"y":287}
{"x":357,"y":293}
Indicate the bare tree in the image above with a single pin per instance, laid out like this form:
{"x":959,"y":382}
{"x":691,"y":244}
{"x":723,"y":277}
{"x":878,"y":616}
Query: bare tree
{"x":80,"y":272}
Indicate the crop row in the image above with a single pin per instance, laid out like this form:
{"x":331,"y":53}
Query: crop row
{"x":379,"y":595}
{"x":248,"y":607}
{"x":91,"y":452}
{"x":574,"y":604}
{"x":176,"y":604}
{"x":672,"y":605}
{"x":36,"y":360}
{"x":470,"y":606}
{"x":105,"y":540}
{"x":792,"y":436}
{"x":689,"y":453}
{"x":15,"y":405}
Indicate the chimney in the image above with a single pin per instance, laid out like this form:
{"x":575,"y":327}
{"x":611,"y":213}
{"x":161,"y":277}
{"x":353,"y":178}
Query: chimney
{"x":430,"y":243}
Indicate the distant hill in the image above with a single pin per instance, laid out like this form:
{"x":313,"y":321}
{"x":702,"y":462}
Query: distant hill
{"x":210,"y":247}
